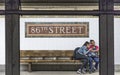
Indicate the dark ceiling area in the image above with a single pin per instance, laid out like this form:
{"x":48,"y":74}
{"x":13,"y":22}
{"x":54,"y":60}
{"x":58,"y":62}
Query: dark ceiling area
{"x":56,"y":1}
{"x":61,"y":2}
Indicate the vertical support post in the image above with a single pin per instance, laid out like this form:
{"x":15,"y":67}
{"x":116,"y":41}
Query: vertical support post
{"x":29,"y":67}
{"x":103,"y":38}
{"x":110,"y":38}
{"x":106,"y":39}
{"x":12,"y":38}
{"x":103,"y":45}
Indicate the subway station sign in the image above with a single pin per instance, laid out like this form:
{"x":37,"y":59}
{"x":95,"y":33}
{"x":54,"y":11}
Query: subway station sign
{"x":57,"y":29}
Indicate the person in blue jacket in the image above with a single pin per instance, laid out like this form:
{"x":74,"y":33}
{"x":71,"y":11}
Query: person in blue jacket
{"x":81,"y":54}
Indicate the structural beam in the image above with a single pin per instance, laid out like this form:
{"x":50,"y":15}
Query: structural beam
{"x":56,"y":1}
{"x":60,"y":1}
{"x":12,"y":38}
{"x":59,"y":12}
{"x":110,"y":38}
{"x":106,"y":38}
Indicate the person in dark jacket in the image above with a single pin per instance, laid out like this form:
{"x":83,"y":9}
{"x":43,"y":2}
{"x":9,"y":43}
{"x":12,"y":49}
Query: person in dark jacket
{"x":81,"y":54}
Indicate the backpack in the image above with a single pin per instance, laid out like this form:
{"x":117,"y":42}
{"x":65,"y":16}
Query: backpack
{"x":75,"y":52}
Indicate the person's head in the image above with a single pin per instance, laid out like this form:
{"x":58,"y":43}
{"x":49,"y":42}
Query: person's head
{"x":92,"y":42}
{"x":87,"y":44}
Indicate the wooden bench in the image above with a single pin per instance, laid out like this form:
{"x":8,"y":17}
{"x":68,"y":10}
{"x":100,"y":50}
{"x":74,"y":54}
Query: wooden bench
{"x":47,"y":57}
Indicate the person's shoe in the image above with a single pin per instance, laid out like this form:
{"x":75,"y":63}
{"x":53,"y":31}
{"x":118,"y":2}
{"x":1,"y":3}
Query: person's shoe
{"x":90,"y":71}
{"x":83,"y":71}
{"x":93,"y":70}
{"x":97,"y":70}
{"x":79,"y":71}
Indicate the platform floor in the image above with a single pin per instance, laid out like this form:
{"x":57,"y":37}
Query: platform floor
{"x":55,"y":73}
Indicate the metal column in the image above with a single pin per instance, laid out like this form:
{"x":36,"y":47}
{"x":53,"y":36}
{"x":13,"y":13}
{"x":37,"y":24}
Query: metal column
{"x":106,"y":38}
{"x":12,"y":38}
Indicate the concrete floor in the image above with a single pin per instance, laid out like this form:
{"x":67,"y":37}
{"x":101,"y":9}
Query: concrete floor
{"x":55,"y":73}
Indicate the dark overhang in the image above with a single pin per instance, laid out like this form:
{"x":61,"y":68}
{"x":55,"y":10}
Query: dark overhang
{"x":60,"y":1}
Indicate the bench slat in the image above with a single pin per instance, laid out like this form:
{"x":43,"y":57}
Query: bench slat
{"x":45,"y":53}
{"x":49,"y":61}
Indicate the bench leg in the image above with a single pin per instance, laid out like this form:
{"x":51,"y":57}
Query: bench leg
{"x":29,"y":67}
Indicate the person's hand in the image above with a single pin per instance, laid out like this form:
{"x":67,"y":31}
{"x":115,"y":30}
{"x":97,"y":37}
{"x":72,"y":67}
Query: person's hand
{"x":90,"y":49}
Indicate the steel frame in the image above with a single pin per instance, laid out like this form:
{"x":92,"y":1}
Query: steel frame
{"x":60,"y":12}
{"x":105,"y":13}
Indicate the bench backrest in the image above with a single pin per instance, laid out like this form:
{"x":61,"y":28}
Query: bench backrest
{"x":46,"y":53}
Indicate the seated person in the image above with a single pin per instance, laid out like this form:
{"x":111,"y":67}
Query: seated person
{"x":81,"y":54}
{"x":94,"y":49}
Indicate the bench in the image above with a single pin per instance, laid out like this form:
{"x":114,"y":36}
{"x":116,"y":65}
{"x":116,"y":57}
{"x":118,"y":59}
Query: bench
{"x":47,"y":57}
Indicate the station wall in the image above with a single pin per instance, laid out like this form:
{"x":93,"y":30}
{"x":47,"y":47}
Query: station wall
{"x":58,"y":43}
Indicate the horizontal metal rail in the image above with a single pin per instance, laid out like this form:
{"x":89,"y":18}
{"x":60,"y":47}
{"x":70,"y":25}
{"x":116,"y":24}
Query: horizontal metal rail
{"x":56,"y":1}
{"x":59,"y":12}
{"x":60,"y":1}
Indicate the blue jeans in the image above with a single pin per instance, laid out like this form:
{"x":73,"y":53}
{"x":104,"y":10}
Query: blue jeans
{"x":96,"y":60}
{"x":84,"y":59}
{"x":90,"y":63}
